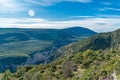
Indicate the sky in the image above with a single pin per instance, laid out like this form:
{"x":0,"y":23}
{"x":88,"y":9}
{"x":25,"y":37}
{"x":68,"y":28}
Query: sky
{"x":98,"y":15}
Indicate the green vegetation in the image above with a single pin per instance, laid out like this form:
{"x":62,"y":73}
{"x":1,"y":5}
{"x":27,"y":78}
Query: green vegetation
{"x":87,"y":65}
{"x":22,"y":42}
{"x":96,"y":58}
{"x":23,"y":48}
{"x":100,"y":41}
{"x":34,"y":46}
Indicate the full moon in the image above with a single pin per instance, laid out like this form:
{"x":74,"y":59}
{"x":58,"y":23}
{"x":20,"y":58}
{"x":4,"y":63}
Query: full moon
{"x":31,"y":13}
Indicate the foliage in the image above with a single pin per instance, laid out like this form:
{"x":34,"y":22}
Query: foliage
{"x":35,"y":46}
{"x":87,"y":65}
{"x":96,"y":58}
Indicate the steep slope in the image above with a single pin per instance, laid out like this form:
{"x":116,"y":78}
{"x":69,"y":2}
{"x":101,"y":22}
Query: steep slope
{"x":100,"y":41}
{"x":33,"y":46}
{"x":87,"y":65}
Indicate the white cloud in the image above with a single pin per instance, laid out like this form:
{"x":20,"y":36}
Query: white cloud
{"x":82,"y":1}
{"x":96,"y":24}
{"x":106,"y":3}
{"x":109,"y":8}
{"x":51,"y":2}
{"x":107,"y":16}
{"x":8,"y":6}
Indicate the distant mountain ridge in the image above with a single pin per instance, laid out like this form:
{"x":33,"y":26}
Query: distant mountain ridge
{"x":16,"y":34}
{"x":32,"y":46}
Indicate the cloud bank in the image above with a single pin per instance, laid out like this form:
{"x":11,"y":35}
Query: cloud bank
{"x":51,"y":2}
{"x":98,"y":24}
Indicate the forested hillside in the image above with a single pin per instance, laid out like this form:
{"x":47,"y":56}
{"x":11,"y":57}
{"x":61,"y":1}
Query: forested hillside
{"x":33,"y":46}
{"x":96,"y":58}
{"x":87,"y":65}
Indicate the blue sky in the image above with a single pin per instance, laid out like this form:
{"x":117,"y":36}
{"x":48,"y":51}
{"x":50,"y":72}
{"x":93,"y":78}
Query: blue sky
{"x":98,"y":15}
